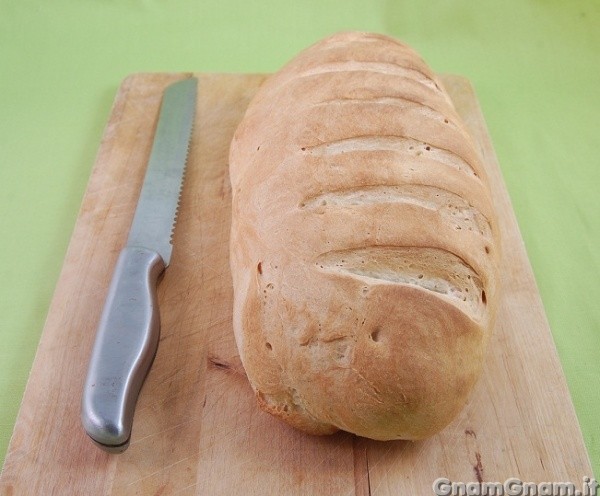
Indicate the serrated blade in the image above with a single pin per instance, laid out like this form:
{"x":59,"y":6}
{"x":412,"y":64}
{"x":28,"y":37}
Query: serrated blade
{"x":156,"y":211}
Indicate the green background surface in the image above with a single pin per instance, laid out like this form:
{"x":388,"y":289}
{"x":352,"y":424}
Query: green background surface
{"x":535,"y":65}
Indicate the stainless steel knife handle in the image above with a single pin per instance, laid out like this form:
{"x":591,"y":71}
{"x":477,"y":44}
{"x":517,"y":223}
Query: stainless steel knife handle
{"x":126,"y":342}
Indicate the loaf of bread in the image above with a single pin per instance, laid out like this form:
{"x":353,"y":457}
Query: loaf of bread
{"x":364,"y":245}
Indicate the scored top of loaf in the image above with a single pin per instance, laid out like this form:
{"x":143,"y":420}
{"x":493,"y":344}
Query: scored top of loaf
{"x":383,"y":117}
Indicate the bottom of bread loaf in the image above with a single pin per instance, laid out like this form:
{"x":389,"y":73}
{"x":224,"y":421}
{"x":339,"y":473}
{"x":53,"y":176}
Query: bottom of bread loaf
{"x":378,"y":359}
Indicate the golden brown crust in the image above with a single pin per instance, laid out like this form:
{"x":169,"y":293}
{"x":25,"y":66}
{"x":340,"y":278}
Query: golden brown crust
{"x":364,"y":244}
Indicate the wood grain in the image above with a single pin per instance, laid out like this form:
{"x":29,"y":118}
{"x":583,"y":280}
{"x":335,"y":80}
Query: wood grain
{"x":197,"y":428}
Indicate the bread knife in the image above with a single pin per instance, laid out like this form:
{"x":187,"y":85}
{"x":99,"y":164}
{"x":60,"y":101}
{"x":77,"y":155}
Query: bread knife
{"x":128,"y":332}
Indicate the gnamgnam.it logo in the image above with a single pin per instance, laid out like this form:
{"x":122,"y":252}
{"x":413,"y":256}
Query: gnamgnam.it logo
{"x":516,"y":487}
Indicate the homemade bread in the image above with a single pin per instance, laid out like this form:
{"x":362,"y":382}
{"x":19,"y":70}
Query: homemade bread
{"x":364,"y":244}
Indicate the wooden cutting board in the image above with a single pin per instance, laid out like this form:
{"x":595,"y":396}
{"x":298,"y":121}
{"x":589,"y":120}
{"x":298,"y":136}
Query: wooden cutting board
{"x":197,"y":427}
